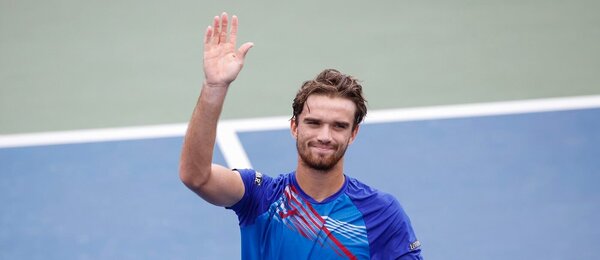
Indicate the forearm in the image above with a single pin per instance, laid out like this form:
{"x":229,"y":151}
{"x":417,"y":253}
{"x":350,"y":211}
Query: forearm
{"x":222,"y":64}
{"x":199,"y":142}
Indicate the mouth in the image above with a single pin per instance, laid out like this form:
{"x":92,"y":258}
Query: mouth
{"x":323,"y":148}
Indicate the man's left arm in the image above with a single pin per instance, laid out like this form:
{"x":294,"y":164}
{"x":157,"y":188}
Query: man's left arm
{"x":394,"y":237}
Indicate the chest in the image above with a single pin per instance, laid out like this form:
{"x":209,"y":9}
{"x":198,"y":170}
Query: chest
{"x":293,"y":225}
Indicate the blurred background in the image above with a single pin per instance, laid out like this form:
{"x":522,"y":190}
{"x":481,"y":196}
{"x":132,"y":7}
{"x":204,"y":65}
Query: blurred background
{"x":74,"y":65}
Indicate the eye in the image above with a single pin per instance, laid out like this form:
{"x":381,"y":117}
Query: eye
{"x":341,"y":125}
{"x":312,"y":122}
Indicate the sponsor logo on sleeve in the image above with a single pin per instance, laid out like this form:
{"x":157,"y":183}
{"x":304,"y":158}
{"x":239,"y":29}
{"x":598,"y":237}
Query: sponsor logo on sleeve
{"x":414,"y":245}
{"x":258,"y":178}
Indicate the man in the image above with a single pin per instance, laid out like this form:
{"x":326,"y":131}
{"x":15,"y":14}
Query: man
{"x":315,"y":212}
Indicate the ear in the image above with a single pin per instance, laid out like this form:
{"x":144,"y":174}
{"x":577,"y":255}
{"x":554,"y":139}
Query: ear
{"x":294,"y":128}
{"x":354,"y":134}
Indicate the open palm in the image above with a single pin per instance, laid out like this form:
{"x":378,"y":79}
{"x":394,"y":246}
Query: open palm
{"x":222,"y":61}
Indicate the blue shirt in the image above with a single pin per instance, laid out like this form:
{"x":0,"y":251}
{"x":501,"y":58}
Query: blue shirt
{"x":279,"y":221}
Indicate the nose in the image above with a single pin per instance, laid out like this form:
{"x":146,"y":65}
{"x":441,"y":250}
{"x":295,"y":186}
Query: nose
{"x":324,"y":135}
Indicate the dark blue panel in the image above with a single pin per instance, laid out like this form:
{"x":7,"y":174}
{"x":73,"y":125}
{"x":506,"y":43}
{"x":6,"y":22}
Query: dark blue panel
{"x":271,"y":152}
{"x":112,"y":200}
{"x":519,"y":186}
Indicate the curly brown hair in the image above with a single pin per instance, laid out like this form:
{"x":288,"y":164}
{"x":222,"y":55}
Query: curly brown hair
{"x":332,"y":83}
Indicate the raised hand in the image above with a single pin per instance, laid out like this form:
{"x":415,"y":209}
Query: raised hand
{"x":222,"y":61}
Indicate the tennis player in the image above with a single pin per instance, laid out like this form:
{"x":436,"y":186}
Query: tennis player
{"x":314,"y":212}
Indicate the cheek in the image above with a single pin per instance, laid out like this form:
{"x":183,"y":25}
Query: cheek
{"x":302,"y":133}
{"x":298,"y":135}
{"x":344,"y":136}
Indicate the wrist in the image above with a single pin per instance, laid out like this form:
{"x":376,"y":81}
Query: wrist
{"x":215,"y":84}
{"x":214,"y":92}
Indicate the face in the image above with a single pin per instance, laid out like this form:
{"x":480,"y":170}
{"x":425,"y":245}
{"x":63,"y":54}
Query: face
{"x":324,"y":130}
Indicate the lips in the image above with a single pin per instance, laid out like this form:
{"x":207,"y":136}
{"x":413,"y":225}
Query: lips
{"x":322,"y":148}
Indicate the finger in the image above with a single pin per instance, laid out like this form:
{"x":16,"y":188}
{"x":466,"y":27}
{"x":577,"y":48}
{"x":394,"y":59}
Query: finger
{"x":234,"y":28}
{"x":207,"y":35}
{"x":243,"y":50}
{"x":223,"y":32}
{"x":215,"y":31}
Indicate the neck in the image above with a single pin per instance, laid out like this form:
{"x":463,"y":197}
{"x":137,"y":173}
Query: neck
{"x":320,"y":185}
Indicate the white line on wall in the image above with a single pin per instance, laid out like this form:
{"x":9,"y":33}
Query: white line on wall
{"x":235,"y":155}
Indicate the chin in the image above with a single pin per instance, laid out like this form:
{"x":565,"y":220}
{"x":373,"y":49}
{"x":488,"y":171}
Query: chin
{"x":323,"y":165}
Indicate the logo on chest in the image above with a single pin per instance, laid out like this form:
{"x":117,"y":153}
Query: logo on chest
{"x":299,"y":215}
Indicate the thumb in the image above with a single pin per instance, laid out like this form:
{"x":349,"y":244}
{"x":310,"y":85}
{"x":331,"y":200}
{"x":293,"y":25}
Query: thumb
{"x":243,"y":50}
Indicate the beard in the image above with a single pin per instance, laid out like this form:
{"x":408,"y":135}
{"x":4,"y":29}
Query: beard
{"x":318,"y":161}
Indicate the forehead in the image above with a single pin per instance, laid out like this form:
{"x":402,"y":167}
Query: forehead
{"x":322,"y":106}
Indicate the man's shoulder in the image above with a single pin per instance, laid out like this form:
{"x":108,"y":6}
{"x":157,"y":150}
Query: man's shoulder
{"x":358,"y":190}
{"x":373,"y":202}
{"x":253,"y":177}
{"x":388,"y":225}
{"x":260,"y":191}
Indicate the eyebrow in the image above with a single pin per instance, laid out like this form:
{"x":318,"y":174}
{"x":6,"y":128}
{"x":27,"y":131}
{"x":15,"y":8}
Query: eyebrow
{"x":312,"y":119}
{"x":344,"y":124}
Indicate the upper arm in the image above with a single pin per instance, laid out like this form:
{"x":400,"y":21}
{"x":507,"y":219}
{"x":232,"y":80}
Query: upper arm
{"x":389,"y":228}
{"x":222,"y":186}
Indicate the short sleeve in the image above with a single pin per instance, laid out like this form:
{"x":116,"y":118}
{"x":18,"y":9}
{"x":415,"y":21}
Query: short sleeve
{"x":252,"y":203}
{"x":398,"y":239}
{"x":393,"y":235}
